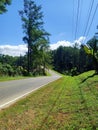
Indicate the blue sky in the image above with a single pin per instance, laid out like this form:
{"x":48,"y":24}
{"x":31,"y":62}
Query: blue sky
{"x":60,"y":18}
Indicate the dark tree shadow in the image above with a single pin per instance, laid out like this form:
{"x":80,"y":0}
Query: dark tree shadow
{"x":89,"y":77}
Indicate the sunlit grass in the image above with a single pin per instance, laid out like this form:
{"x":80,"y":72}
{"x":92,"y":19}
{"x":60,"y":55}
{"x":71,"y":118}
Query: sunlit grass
{"x":7,"y":78}
{"x":70,"y":103}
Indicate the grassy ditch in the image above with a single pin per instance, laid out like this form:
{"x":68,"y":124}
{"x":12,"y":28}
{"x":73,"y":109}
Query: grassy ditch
{"x":70,"y":103}
{"x":7,"y":78}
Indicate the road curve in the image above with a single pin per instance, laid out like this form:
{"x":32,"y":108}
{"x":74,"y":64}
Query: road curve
{"x":11,"y":91}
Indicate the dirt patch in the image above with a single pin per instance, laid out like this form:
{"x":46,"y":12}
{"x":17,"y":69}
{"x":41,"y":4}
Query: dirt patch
{"x":30,"y":114}
{"x":62,"y":117}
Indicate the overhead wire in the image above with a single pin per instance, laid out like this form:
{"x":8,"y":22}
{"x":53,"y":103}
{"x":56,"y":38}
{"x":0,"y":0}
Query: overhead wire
{"x":92,"y":20}
{"x":88,"y":19}
{"x":73,"y":14}
{"x":80,"y":14}
{"x":77,"y":18}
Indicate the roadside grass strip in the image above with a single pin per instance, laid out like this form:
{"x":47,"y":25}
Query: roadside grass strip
{"x":70,"y":103}
{"x":8,"y":78}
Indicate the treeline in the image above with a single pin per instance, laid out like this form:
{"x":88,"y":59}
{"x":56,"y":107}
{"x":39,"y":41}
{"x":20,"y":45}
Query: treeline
{"x":66,"y":60}
{"x":36,"y":37}
{"x":18,"y":66}
{"x":12,"y":66}
{"x":71,"y":60}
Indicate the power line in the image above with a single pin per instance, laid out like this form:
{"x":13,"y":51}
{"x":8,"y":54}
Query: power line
{"x":73,"y":14}
{"x":81,"y":4}
{"x":90,"y":10}
{"x":80,"y":14}
{"x":77,"y":18}
{"x":92,"y":20}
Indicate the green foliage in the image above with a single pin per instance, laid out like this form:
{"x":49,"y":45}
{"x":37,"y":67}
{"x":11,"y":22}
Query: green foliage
{"x":35,"y":36}
{"x":74,"y":71}
{"x":3,"y":4}
{"x":92,"y":49}
{"x":12,"y":66}
{"x":15,"y":66}
{"x":88,"y":50}
{"x":6,"y":70}
{"x":71,"y":60}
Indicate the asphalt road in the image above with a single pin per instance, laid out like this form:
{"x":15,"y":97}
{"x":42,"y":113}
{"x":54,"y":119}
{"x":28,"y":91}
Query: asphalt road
{"x":11,"y":91}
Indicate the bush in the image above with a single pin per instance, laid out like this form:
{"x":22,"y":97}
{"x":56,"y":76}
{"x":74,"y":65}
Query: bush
{"x":74,"y":71}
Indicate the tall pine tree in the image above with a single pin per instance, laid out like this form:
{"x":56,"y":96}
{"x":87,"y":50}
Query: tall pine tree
{"x":32,"y":18}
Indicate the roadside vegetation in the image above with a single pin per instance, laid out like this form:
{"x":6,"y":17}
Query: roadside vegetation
{"x":7,"y":78}
{"x":37,"y":58}
{"x":70,"y":103}
{"x":72,"y":60}
{"x":77,"y":59}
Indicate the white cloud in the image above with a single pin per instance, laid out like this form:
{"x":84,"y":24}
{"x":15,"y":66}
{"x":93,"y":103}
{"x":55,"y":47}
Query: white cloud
{"x":67,"y":43}
{"x":22,"y":49}
{"x":60,"y":43}
{"x":80,"y":40}
{"x":13,"y":50}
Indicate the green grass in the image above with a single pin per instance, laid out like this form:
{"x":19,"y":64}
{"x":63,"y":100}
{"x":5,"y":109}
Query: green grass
{"x":7,"y":78}
{"x":70,"y":103}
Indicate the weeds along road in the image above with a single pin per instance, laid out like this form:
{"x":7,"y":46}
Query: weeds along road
{"x":10,"y":91}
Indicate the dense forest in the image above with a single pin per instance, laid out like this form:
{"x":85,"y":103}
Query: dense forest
{"x":76,"y":60}
{"x":67,"y":60}
{"x":71,"y":60}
